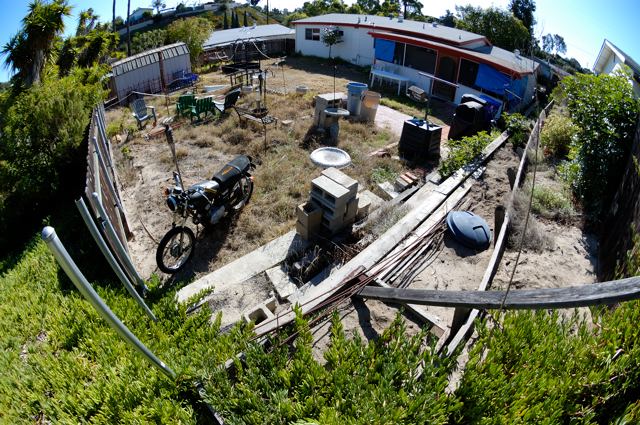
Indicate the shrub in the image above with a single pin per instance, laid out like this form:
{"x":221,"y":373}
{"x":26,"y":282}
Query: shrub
{"x":551,"y":203}
{"x":557,"y":135}
{"x":605,"y":111}
{"x":518,"y":127}
{"x":462,"y":152}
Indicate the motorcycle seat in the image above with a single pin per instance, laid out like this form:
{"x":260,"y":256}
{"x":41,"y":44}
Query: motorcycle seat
{"x":232,"y":171}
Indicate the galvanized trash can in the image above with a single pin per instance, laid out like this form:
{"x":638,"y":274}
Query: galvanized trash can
{"x":370,"y":102}
{"x":354,"y":97}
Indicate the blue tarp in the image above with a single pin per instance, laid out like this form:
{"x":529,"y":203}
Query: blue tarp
{"x":385,"y":49}
{"x":495,"y":81}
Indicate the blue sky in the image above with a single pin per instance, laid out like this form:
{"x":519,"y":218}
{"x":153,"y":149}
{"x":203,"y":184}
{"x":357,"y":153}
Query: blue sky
{"x":583,"y":24}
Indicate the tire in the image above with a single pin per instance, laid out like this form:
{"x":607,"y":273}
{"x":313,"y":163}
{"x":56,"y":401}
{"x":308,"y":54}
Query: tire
{"x":175,"y":249}
{"x":244,"y":190}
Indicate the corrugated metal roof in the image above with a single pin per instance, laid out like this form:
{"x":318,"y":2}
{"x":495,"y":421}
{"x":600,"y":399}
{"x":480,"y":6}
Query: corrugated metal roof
{"x":220,"y":38}
{"x":421,"y":29}
{"x":148,"y":57}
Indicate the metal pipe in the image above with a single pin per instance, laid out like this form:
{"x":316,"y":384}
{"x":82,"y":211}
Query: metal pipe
{"x":71,"y":269}
{"x":122,"y":253}
{"x":93,"y":229}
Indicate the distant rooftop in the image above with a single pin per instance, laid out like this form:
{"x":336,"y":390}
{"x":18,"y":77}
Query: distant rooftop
{"x":255,"y":33}
{"x":413,"y":28}
{"x":148,"y":57}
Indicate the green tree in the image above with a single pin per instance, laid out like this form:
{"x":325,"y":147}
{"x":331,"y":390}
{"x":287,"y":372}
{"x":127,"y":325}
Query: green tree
{"x":411,"y":8}
{"x":605,"y":111}
{"x":27,"y":52}
{"x":157,"y":5}
{"x":370,"y":7}
{"x":330,"y":37}
{"x":499,"y":26}
{"x":448,"y":19}
{"x":148,"y":40}
{"x":226,"y":21}
{"x":389,"y":7}
{"x":193,"y":32}
{"x":523,"y":10}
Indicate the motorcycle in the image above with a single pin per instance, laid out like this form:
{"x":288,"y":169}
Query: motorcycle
{"x":205,"y":203}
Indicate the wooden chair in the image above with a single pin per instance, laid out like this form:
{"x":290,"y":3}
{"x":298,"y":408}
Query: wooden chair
{"x":228,"y":102}
{"x":185,"y":102}
{"x":141,"y":112}
{"x":202,"y":106}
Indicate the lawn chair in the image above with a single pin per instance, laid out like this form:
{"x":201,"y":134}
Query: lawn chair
{"x":202,"y":106}
{"x":185,"y":102}
{"x":228,"y":102}
{"x":141,"y":112}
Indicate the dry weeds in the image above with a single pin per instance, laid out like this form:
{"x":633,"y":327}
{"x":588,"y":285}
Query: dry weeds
{"x":535,"y":239}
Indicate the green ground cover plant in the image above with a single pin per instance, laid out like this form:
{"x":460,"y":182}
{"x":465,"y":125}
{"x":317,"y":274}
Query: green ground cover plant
{"x":463,"y":152}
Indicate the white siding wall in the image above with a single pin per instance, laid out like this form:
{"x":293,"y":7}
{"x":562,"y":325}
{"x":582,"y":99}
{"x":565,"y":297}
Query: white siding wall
{"x":356,"y":46}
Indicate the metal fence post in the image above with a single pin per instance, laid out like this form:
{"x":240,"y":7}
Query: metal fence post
{"x":71,"y":269}
{"x":122,"y":252}
{"x":93,"y":229}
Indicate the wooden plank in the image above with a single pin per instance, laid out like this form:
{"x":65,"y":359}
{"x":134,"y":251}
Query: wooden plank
{"x":438,"y":328}
{"x":607,"y":293}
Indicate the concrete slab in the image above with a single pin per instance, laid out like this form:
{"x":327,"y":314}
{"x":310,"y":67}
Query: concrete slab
{"x":246,"y":267}
{"x":282,"y":283}
{"x":391,"y":119}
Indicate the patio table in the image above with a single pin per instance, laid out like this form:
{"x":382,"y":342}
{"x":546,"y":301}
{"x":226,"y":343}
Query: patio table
{"x":389,"y":76}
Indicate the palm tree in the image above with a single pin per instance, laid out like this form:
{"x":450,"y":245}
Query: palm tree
{"x":113,"y":19}
{"x":28,"y":51}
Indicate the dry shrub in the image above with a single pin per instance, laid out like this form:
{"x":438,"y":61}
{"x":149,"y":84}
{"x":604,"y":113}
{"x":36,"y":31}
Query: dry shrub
{"x":535,"y":239}
{"x":237,"y":136}
{"x":381,"y":220}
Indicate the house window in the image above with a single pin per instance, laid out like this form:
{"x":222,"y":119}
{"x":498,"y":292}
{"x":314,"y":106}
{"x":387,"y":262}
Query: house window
{"x":312,"y":34}
{"x":468,"y":73}
{"x":421,"y":59}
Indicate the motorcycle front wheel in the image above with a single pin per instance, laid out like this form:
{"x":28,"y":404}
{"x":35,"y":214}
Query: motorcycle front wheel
{"x":175,"y":249}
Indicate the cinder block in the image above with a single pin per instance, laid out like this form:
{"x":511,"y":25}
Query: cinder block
{"x":309,"y":214}
{"x":364,"y":204}
{"x":261,"y":312}
{"x":342,"y":179}
{"x":352,"y":210}
{"x":308,"y":233}
{"x":328,"y":192}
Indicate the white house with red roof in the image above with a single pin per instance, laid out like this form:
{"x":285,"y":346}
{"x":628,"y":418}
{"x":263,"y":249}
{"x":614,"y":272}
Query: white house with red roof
{"x":464,"y":62}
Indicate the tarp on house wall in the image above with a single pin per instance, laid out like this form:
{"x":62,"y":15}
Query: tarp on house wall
{"x":495,"y":81}
{"x":385,"y":49}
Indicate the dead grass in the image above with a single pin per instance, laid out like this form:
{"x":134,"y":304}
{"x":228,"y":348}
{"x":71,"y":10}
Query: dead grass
{"x":535,"y":239}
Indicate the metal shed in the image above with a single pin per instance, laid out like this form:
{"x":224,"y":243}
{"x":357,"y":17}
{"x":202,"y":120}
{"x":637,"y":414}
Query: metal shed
{"x":149,"y":71}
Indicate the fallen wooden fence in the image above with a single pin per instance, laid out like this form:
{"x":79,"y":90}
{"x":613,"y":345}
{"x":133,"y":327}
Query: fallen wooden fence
{"x":607,"y":293}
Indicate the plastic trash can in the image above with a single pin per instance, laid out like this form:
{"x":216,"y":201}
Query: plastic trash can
{"x":354,"y":97}
{"x":370,"y":102}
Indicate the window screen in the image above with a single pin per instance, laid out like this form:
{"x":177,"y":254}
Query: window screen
{"x":421,"y":59}
{"x":468,"y":73}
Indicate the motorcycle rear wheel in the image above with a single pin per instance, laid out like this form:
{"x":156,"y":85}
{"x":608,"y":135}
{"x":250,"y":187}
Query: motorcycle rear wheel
{"x":175,"y":249}
{"x":245,"y":190}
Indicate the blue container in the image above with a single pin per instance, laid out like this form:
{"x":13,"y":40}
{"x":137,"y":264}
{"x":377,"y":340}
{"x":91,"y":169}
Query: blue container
{"x":354,"y":97}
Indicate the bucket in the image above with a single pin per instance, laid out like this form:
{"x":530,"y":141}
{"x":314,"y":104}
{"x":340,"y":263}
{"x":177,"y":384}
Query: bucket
{"x":354,"y":97}
{"x":370,"y":102}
